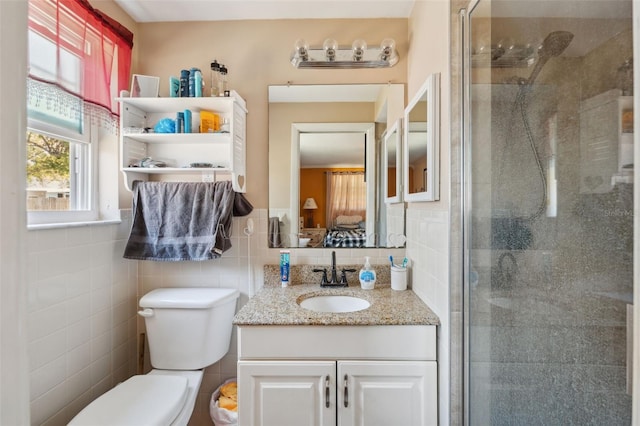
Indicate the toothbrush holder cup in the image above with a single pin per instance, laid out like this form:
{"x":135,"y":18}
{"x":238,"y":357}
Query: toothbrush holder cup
{"x":398,"y":278}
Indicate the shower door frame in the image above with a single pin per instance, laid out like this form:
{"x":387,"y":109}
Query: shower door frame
{"x":466,"y":203}
{"x":635,"y":400}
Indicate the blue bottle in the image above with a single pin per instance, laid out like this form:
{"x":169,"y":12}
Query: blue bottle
{"x":187,"y":121}
{"x":184,"y":83}
{"x":180,"y":122}
{"x":199,"y":83}
{"x":193,"y":84}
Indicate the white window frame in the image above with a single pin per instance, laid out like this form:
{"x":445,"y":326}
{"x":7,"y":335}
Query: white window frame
{"x":83,"y":174}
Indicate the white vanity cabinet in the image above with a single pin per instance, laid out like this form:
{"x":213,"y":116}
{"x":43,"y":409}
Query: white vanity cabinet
{"x":225,"y":151}
{"x":343,"y":376}
{"x":346,"y":393}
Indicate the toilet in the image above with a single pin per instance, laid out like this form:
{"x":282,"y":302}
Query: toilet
{"x":188,"y":329}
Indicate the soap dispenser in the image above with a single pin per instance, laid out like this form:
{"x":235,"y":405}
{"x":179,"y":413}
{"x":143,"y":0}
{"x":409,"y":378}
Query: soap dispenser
{"x":367,"y":275}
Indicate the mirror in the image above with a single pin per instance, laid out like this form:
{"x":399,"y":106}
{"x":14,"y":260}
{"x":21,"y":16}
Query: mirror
{"x":392,"y":163}
{"x":144,"y":86}
{"x":323,"y":137}
{"x":422,"y":142}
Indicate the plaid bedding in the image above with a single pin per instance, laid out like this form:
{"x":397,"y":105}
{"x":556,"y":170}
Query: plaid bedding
{"x":345,"y":238}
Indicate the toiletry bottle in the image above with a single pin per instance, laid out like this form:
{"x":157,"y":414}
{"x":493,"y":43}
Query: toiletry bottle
{"x":222,"y":83}
{"x":284,"y":267}
{"x":174,"y":87}
{"x":192,"y":82}
{"x":367,"y":275}
{"x":215,"y":77}
{"x":187,"y":121}
{"x":180,"y":122}
{"x":199,"y":83}
{"x":184,"y":83}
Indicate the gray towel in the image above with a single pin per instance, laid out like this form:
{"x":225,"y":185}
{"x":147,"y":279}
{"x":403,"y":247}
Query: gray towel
{"x":174,"y":221}
{"x":274,"y":232}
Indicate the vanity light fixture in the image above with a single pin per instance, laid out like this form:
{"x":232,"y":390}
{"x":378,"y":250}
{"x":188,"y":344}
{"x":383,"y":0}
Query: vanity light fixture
{"x":331,"y":55}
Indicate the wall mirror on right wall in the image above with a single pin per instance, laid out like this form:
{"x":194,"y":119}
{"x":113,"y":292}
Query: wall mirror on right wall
{"x":421,"y":143}
{"x":392,"y":161}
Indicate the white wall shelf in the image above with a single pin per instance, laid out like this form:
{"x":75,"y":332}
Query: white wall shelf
{"x":226,"y":151}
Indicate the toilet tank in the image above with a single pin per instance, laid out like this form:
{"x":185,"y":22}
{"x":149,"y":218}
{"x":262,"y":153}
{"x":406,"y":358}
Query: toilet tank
{"x":188,"y":328}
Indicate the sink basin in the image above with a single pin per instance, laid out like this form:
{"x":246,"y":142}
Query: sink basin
{"x":334,"y":303}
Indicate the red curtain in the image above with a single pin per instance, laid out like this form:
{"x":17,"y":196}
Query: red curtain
{"x":82,"y":33}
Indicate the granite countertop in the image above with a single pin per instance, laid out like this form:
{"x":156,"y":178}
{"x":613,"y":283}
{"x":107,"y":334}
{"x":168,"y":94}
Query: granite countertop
{"x":278,"y":306}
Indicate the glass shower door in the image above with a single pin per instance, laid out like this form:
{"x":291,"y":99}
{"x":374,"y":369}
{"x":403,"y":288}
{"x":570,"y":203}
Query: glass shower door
{"x":549,"y":212}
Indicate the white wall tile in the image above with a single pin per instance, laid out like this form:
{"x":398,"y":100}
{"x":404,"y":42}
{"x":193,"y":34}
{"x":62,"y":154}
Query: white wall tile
{"x":44,"y":351}
{"x":82,"y":297}
{"x":79,"y":359}
{"x":47,"y":377}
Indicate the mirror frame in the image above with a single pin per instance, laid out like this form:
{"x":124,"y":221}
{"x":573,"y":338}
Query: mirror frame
{"x":389,"y":101}
{"x":431,"y":90}
{"x":393,"y":135}
{"x":369,"y":129}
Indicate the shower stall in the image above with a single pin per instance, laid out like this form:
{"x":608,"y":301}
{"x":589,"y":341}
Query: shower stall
{"x":547,"y":211}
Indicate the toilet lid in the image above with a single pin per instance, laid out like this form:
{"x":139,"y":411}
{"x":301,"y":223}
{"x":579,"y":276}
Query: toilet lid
{"x":140,"y":400}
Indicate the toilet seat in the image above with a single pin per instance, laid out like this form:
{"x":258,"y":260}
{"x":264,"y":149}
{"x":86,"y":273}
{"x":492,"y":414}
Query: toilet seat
{"x":152,"y":399}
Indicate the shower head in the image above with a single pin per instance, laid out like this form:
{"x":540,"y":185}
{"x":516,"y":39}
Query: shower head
{"x":553,"y":45}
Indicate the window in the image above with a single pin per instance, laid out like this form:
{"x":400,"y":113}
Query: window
{"x":346,"y":195}
{"x":79,"y":60}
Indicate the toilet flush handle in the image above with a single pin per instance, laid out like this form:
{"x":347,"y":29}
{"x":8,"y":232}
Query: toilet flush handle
{"x":147,"y":312}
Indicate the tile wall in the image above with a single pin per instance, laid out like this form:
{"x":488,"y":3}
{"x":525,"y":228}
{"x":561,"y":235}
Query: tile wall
{"x":428,"y":253}
{"x":81,"y":317}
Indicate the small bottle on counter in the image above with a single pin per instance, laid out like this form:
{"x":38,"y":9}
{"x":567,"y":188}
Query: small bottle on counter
{"x":284,"y":267}
{"x":367,"y":275}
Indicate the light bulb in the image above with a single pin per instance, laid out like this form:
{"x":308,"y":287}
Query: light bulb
{"x":387,"y":49}
{"x":358,"y":47}
{"x":330,"y":46}
{"x":302,"y":49}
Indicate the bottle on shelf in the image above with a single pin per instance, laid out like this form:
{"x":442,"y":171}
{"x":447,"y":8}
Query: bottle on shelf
{"x":215,"y":78}
{"x":195,"y":83}
{"x":222,"y":83}
{"x":180,"y":122}
{"x":184,"y":83}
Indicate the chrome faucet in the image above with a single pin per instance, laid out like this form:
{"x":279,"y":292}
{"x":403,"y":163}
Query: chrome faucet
{"x":334,"y":282}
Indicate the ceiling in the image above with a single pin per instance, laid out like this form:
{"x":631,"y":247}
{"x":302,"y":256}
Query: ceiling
{"x":229,"y":10}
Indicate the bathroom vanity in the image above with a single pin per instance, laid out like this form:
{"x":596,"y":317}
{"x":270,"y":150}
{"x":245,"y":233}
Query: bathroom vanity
{"x":375,"y":366}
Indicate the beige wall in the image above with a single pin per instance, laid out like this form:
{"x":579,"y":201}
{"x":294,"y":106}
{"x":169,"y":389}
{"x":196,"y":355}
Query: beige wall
{"x":427,"y":223}
{"x":257,"y":55}
{"x":281,"y":117}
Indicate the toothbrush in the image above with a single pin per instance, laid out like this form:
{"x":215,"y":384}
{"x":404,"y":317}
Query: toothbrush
{"x":404,"y":262}
{"x":391,"y":259}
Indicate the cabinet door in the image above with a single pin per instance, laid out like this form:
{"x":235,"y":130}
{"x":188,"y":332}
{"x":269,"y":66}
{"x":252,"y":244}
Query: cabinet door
{"x":286,"y":393}
{"x":380,"y":393}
